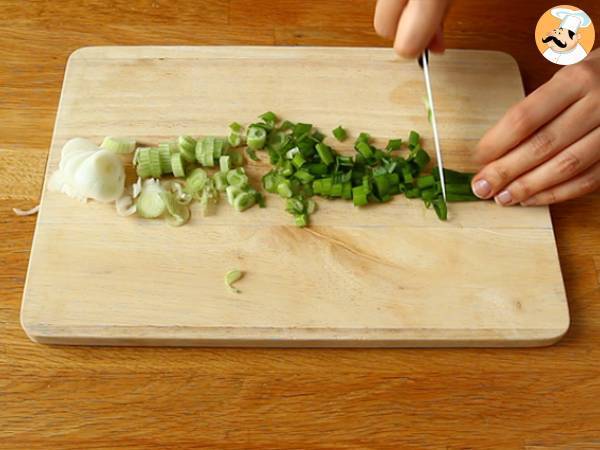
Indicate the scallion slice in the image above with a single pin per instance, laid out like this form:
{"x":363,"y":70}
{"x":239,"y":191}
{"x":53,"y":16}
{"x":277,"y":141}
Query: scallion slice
{"x":256,"y":138}
{"x":340,"y":133}
{"x":231,"y":277}
{"x":118,"y":145}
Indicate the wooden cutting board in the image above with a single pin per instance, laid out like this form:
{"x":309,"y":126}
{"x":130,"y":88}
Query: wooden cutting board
{"x":385,"y":275}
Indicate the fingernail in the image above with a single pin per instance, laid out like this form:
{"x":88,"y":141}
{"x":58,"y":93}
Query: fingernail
{"x":482,"y":188}
{"x":529,"y":202}
{"x":504,"y":198}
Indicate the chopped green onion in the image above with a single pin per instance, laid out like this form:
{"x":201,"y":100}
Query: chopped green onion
{"x":196,"y":181}
{"x":304,"y":176}
{"x":452,"y":198}
{"x":298,"y":160}
{"x":256,"y":138}
{"x":294,"y":206}
{"x":155,"y":168}
{"x":317,"y":136}
{"x":301,"y":220}
{"x":364,"y":149}
{"x":236,"y":159}
{"x":244,"y":201}
{"x":231,"y":277}
{"x":413,"y":139}
{"x":441,"y":209}
{"x":359,"y":196}
{"x":187,"y":147}
{"x":164,"y":153}
{"x":205,"y":149}
{"x":340,"y":134}
{"x":462,"y":189}
{"x":287,"y":125}
{"x":425,"y":182}
{"x":302,"y":130}
{"x":252,"y":154}
{"x":276,"y":140}
{"x":311,"y":206}
{"x":413,"y":193}
{"x":150,"y":204}
{"x":269,"y":117}
{"x":177,"y":165}
{"x":232,"y":192}
{"x":235,"y":137}
{"x":284,"y":189}
{"x":224,"y":163}
{"x":220,"y":179}
{"x":237,"y":178}
{"x":118,"y":145}
{"x":393,"y":144}
{"x":325,"y":154}
{"x":178,"y":214}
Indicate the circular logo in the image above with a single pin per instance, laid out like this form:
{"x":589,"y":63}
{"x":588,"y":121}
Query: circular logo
{"x":564,"y":35}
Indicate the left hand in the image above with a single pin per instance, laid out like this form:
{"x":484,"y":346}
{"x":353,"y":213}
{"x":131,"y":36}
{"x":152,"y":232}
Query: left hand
{"x":546,"y":148}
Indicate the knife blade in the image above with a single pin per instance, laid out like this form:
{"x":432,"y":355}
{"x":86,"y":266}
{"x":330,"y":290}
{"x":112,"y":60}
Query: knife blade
{"x":424,"y":63}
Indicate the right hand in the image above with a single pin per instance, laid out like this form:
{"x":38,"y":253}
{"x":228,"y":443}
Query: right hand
{"x":414,"y":25}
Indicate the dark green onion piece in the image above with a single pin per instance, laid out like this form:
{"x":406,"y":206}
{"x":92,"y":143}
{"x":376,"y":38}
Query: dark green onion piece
{"x":425,"y":182}
{"x":325,"y":154}
{"x":269,"y":117}
{"x":394,"y":144}
{"x":413,"y":139}
{"x":364,"y":149}
{"x":340,"y":134}
{"x":441,"y":209}
{"x":252,"y":154}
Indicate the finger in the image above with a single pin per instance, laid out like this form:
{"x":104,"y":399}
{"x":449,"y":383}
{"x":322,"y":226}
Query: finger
{"x":524,"y":118}
{"x":586,"y":183}
{"x":437,"y":45}
{"x":387,"y":15}
{"x":418,"y":23}
{"x":569,"y":127}
{"x":567,"y":164}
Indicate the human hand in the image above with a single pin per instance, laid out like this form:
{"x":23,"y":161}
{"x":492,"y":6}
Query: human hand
{"x":413,"y":24}
{"x":546,"y":148}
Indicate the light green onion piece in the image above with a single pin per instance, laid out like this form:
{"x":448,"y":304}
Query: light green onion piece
{"x":118,"y":145}
{"x":164,"y":153}
{"x":155,"y":167}
{"x":244,"y":201}
{"x":220,"y":179}
{"x":150,"y":204}
{"x":232,"y":193}
{"x":196,"y":181}
{"x":231,"y":277}
{"x":237,"y":178}
{"x":291,"y":153}
{"x":427,"y":108}
{"x":256,"y":138}
{"x":311,"y":206}
{"x":205,"y":149}
{"x":187,"y":147}
{"x":224,"y":163}
{"x":177,"y":165}
{"x":208,"y":198}
{"x":235,"y":137}
{"x":178,"y":214}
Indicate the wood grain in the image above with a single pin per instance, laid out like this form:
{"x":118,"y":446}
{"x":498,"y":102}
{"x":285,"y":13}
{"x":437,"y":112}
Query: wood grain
{"x":101,"y":398}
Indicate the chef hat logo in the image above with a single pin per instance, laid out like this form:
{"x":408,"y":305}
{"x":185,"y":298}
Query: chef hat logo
{"x":571,"y":19}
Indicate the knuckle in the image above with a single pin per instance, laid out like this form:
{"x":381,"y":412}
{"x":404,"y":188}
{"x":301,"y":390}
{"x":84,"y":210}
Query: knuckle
{"x":550,"y":197}
{"x":519,"y":117}
{"x":590,"y":184}
{"x":500,"y":173}
{"x":583,"y":74}
{"x":520,"y":189}
{"x":568,"y":163}
{"x":541,"y":144}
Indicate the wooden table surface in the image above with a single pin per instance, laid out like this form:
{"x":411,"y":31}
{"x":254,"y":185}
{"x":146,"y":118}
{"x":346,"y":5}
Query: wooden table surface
{"x":93,"y":398}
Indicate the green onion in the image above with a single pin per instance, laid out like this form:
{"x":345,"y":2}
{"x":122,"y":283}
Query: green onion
{"x":224,"y":163}
{"x":425,"y":182}
{"x":340,"y":134}
{"x":220,"y":179}
{"x":178,"y":214}
{"x":441,"y":209}
{"x":252,"y":154}
{"x":256,"y":138}
{"x":177,"y":165}
{"x":244,"y":201}
{"x":284,"y":189}
{"x":413,"y":193}
{"x":150,"y":204}
{"x":393,"y":144}
{"x":298,"y":160}
{"x":325,"y":154}
{"x":231,"y":277}
{"x":364,"y":149}
{"x":237,"y":178}
{"x":187,"y":147}
{"x":413,"y":139}
{"x":294,"y":206}
{"x":359,"y":196}
{"x":196,"y":181}
{"x":232,"y":192}
{"x":118,"y":145}
{"x":269,"y":117}
{"x":236,"y":159}
{"x":301,"y":220}
{"x":317,"y":136}
{"x":235,"y":137}
{"x":287,"y":125}
{"x":304,"y":176}
{"x":155,"y":167}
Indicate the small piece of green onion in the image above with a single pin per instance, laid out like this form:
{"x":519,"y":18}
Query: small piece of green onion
{"x":325,"y":154}
{"x":317,"y":169}
{"x":269,"y":182}
{"x":260,"y":200}
{"x":235,"y":137}
{"x":326,"y":186}
{"x":149,"y":203}
{"x":237,"y":178}
{"x":427,"y":108}
{"x":413,"y":139}
{"x":413,"y":193}
{"x":269,"y":117}
{"x":142,"y":162}
{"x":243,"y":201}
{"x":287,"y":169}
{"x":205,"y":150}
{"x":276,"y":140}
{"x":359,"y":196}
{"x":220,"y":179}
{"x":294,"y":206}
{"x":284,"y":189}
{"x":461,"y":189}
{"x":452,"y":176}
{"x":290,"y":153}
{"x":208,"y":198}
{"x":441,"y":209}
{"x":178,"y":214}
{"x":155,"y":167}
{"x":301,"y":220}
{"x":302,"y":130}
{"x":421,"y":158}
{"x":311,"y":206}
{"x":382,"y":184}
{"x":196,"y":181}
{"x":425,"y":182}
{"x":177,"y":165}
{"x":304,"y":176}
{"x":232,"y":192}
{"x":298,"y":160}
{"x":407,"y":174}
{"x":187,"y":147}
{"x":393,"y":144}
{"x":118,"y":145}
{"x":256,"y":138}
{"x":340,"y":134}
{"x":224,"y":163}
{"x":164,"y":153}
{"x":221,"y":145}
{"x":231,"y":277}
{"x":453,"y":198}
{"x":336,"y":190}
{"x":236,"y":159}
{"x":364,"y":149}
{"x":287,"y":125}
